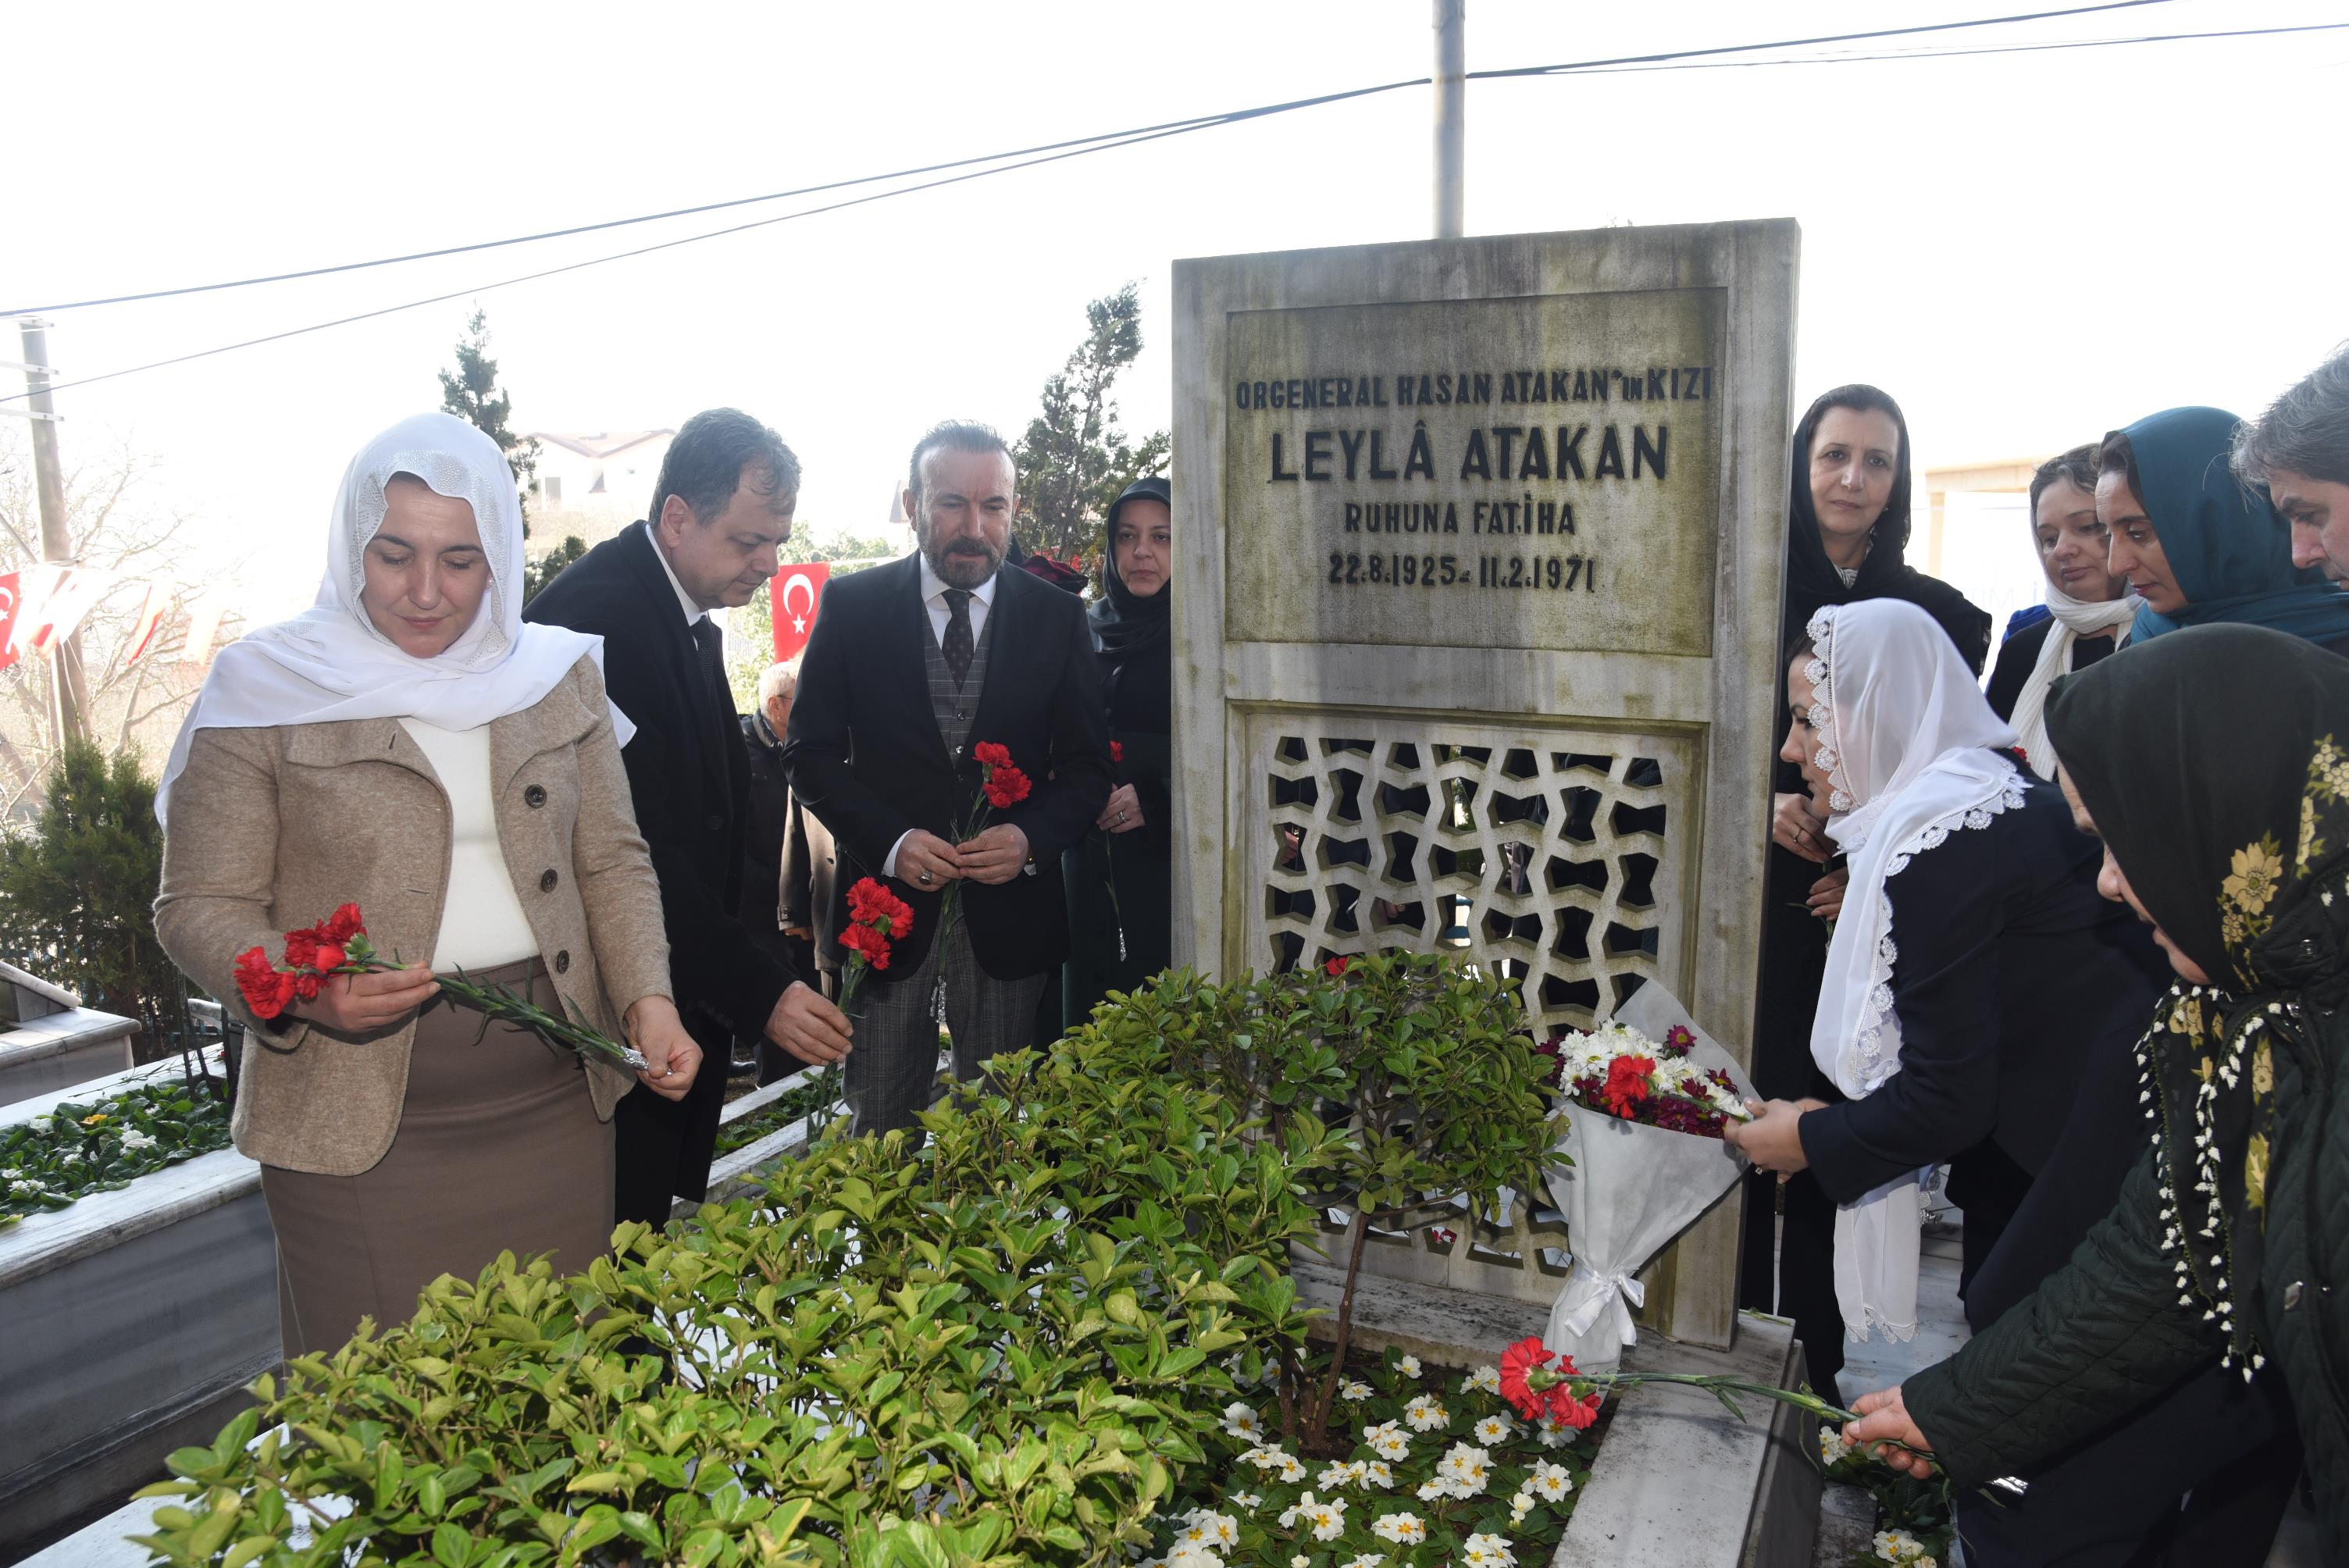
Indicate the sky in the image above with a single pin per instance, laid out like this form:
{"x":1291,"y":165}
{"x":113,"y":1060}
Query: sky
{"x":2026,"y":249}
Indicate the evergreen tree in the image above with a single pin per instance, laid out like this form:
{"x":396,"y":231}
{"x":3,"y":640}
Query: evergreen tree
{"x":78,"y":890}
{"x":1075,"y":458}
{"x":537,"y":574}
{"x":471,"y":394}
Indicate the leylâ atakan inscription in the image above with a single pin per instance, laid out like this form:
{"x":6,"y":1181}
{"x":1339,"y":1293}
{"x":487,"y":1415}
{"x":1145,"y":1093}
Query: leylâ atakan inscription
{"x":1524,"y":474}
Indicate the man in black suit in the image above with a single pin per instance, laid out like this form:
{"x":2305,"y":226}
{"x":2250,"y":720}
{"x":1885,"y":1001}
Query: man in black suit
{"x":720,"y":509}
{"x":912,"y":666}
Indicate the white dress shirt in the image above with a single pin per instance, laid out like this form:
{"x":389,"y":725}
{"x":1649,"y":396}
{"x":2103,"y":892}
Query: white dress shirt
{"x":934,"y":600}
{"x":693,"y":612}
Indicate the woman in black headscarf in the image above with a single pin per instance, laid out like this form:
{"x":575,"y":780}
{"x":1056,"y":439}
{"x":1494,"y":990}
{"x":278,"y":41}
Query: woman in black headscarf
{"x":2229,"y":836}
{"x":1121,"y":878}
{"x":1847,"y":533}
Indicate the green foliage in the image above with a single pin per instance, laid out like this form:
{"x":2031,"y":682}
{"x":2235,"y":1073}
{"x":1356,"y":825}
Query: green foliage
{"x":471,"y":394}
{"x":1075,"y":458}
{"x":537,"y":574}
{"x":1002,"y":1349}
{"x":1019,"y":1342}
{"x":98,"y":1145}
{"x":77,"y":891}
{"x":1421,"y":1061}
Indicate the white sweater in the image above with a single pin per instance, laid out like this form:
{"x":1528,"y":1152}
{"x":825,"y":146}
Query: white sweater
{"x":481,"y":922}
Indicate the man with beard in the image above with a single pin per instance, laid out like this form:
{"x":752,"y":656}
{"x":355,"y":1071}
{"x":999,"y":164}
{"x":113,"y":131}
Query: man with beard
{"x":913,"y":666}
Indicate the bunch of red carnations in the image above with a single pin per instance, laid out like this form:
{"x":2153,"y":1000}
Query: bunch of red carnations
{"x":1622,"y":1073}
{"x":338,"y":944}
{"x":1001,"y":784}
{"x":876,"y":917}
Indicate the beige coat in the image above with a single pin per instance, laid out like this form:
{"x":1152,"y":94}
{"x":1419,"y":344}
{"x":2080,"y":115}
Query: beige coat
{"x":272,"y":829}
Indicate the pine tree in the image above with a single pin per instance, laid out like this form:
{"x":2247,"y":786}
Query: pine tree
{"x":1075,"y":458}
{"x":473,"y":395}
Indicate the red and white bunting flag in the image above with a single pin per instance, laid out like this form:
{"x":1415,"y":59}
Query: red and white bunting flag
{"x":204,"y":625}
{"x":59,"y":615}
{"x":36,"y":584}
{"x":12,"y":598}
{"x":160,"y":596}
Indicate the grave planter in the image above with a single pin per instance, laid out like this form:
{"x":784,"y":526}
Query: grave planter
{"x":135,"y":1318}
{"x":1677,"y":1481}
{"x":733,"y":1174}
{"x":49,"y":1041}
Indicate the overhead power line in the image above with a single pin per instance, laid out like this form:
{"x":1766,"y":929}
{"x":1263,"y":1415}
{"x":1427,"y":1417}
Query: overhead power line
{"x":1681,"y":60}
{"x":1196,"y":122}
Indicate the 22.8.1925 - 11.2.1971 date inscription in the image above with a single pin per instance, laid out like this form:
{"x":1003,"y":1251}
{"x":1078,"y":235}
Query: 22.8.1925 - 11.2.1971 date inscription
{"x":1566,"y":573}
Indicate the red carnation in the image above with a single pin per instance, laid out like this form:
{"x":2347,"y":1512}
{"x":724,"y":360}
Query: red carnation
{"x":1627,"y":1083}
{"x":1516,"y":1361}
{"x":328,"y":957}
{"x":1338,"y":965}
{"x":1578,"y":1413}
{"x":256,"y":980}
{"x":1117,"y":751}
{"x":1006,"y":785}
{"x":342,"y":926}
{"x":301,"y":949}
{"x":992,"y":753}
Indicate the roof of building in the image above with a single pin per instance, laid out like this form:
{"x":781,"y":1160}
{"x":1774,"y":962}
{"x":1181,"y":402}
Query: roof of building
{"x":598,"y":443}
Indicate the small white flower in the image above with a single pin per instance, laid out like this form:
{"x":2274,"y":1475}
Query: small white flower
{"x":1554,"y":1433}
{"x":1338,"y":1473}
{"x":1300,"y":1560}
{"x":1364,"y":1560}
{"x":1247,"y":1500}
{"x":70,"y":1157}
{"x":1387,"y":1440}
{"x":1354,"y":1392}
{"x":1327,"y":1519}
{"x":1429,"y":1490}
{"x":1426,"y":1414}
{"x":1898,"y":1546}
{"x":1374,"y":1472}
{"x":1487,"y":1552}
{"x":10,"y":1173}
{"x":1240,"y":1421}
{"x":1409,"y":1366}
{"x":1486,"y":1378}
{"x":1519,"y":1506}
{"x":1402,"y":1528}
{"x":23,"y":1188}
{"x":42,"y":1124}
{"x":1193,"y":1554}
{"x":1547,"y":1481}
{"x":1494,"y":1430}
{"x":134,"y":1140}
{"x":1832,"y":1446}
{"x":1466,"y":1470}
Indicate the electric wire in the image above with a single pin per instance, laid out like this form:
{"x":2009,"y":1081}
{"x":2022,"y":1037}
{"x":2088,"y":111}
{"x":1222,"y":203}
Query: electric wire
{"x":1675,"y":60}
{"x":1196,"y":122}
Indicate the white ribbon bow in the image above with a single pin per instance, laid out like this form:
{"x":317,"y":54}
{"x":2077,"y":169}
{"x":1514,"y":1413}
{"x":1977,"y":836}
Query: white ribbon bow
{"x":1599,"y":1292}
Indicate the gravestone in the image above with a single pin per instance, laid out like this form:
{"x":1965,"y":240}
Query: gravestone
{"x":1479,"y":554}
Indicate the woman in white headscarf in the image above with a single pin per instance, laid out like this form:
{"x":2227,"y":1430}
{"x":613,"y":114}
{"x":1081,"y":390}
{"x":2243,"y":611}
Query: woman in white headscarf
{"x":1974,"y":971}
{"x":2088,"y":607}
{"x":408,"y":745}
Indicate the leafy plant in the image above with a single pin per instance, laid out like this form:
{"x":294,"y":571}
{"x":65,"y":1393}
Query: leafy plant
{"x":98,"y":1145}
{"x":1421,"y":1063}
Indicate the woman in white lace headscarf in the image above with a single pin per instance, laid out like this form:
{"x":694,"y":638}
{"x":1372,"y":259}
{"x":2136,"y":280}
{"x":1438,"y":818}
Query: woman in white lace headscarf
{"x":2088,"y":608}
{"x":1974,"y":969}
{"x":409,"y":745}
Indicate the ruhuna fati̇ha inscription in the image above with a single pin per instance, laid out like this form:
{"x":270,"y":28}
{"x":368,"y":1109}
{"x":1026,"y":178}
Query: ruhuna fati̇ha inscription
{"x":1535,"y":472}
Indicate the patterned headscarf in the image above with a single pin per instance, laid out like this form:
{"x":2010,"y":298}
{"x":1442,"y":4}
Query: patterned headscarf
{"x":2240,"y":854}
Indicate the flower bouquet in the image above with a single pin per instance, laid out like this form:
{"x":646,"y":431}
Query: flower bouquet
{"x":876,"y":917}
{"x":338,"y":944}
{"x":1001,"y":784}
{"x":1648,"y":1161}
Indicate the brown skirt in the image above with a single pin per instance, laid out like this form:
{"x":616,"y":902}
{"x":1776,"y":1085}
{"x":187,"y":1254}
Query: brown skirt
{"x":498,"y":1150}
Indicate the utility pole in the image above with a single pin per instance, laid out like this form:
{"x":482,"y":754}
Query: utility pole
{"x":68,"y":700}
{"x":1451,"y":114}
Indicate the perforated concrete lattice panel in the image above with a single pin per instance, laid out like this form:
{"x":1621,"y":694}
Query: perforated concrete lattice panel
{"x":1478,"y":555}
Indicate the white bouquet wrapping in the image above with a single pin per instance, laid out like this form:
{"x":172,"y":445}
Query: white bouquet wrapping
{"x":1632,"y":1187}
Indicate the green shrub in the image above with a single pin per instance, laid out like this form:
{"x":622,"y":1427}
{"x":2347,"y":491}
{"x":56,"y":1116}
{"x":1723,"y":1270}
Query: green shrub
{"x":1014,"y":1344}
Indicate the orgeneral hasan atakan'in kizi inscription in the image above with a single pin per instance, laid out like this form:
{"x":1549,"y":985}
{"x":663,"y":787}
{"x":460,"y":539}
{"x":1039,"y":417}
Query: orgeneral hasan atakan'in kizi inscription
{"x":1581,"y":464}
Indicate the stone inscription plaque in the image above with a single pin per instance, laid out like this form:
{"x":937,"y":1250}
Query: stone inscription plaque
{"x":1534,"y":472}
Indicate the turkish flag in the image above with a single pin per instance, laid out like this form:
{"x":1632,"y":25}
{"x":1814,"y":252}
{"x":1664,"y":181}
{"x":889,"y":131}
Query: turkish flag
{"x":793,"y":594}
{"x":150,"y":616}
{"x":12,"y":588}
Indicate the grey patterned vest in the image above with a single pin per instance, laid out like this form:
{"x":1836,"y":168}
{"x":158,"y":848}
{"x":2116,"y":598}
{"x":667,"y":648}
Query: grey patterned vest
{"x":954,"y":709}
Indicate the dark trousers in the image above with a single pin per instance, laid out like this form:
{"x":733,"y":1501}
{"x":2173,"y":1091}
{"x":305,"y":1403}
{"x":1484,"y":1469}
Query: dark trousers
{"x":892,"y":1070}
